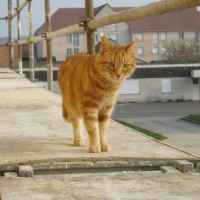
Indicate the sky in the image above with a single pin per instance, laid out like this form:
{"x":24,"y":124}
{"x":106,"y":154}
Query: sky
{"x":38,"y":11}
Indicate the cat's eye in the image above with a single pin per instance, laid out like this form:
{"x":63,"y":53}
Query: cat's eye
{"x":111,"y":64}
{"x":126,"y":65}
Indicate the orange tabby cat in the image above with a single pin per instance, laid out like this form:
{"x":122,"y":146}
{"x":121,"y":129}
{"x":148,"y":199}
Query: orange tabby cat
{"x":90,"y":85}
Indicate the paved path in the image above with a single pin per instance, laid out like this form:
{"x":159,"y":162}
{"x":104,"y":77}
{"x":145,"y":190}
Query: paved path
{"x":165,"y":118}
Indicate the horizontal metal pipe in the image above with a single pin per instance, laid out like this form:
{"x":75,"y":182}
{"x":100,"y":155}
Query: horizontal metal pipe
{"x":65,"y":31}
{"x":4,"y":44}
{"x":19,"y":9}
{"x":157,"y":8}
{"x":3,"y":18}
{"x":36,"y":39}
{"x":150,"y":10}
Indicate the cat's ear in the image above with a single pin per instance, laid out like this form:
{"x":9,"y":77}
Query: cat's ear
{"x":105,"y":44}
{"x":131,"y":48}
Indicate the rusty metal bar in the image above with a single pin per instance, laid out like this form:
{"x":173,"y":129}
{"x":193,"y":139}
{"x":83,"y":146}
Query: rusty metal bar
{"x":19,"y":38}
{"x":31,"y":47}
{"x":24,"y":41}
{"x":3,"y":18}
{"x":5,"y":44}
{"x":69,"y":30}
{"x":19,"y":8}
{"x":10,"y":34}
{"x":150,"y":10}
{"x":89,"y":15}
{"x":48,"y":46}
{"x":157,"y":8}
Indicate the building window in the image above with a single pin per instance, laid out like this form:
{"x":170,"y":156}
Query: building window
{"x":69,"y":38}
{"x":181,"y":36}
{"x":197,"y":36}
{"x":131,"y":86}
{"x":114,"y":27}
{"x":155,"y":38}
{"x":76,"y":51}
{"x":166,"y":85}
{"x":114,"y":37}
{"x":101,"y":27}
{"x":164,"y":50}
{"x":140,"y":50}
{"x":140,"y":36}
{"x":156,"y":50}
{"x":107,"y":35}
{"x":96,"y":37}
{"x":163,"y":36}
{"x":76,"y":40}
{"x":69,"y":52}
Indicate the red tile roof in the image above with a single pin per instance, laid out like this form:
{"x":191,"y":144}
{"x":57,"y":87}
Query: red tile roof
{"x":186,"y":20}
{"x":181,"y":20}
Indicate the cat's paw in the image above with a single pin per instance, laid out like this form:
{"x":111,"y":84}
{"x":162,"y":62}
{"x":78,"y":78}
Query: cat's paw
{"x":79,"y":142}
{"x":95,"y":149}
{"x":105,"y":147}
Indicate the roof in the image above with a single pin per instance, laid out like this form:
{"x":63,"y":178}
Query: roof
{"x":64,"y":17}
{"x":188,"y":19}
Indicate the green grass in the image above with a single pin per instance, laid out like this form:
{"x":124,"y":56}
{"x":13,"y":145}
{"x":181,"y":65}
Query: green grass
{"x":159,"y":101}
{"x":126,"y":102}
{"x":193,"y":117}
{"x":169,"y":100}
{"x":157,"y":136}
{"x":183,"y":100}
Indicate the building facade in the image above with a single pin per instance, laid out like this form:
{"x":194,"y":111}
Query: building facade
{"x":153,"y":32}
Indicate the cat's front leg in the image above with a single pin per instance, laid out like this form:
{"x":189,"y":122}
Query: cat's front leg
{"x":104,"y":118}
{"x":92,"y":126}
{"x":78,"y":132}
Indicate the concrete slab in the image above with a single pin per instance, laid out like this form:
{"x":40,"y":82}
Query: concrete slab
{"x":11,"y":76}
{"x":164,"y":186}
{"x":32,"y":130}
{"x":6,"y":70}
{"x":16,"y":83}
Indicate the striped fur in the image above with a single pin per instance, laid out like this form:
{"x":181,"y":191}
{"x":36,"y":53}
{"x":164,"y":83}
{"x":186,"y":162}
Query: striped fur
{"x":90,"y":85}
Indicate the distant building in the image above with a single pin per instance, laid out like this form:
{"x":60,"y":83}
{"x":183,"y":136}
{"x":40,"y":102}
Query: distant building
{"x":152,"y":31}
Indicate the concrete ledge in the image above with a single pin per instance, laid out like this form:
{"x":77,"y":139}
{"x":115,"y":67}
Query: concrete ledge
{"x":26,"y":171}
{"x":184,"y":166}
{"x":10,"y":174}
{"x":169,"y":169}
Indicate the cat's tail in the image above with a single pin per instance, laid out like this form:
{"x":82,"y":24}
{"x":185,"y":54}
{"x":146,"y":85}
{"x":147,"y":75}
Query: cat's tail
{"x":65,"y":113}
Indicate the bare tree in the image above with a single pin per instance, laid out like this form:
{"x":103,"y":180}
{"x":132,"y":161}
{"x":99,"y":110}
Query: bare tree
{"x":181,"y":51}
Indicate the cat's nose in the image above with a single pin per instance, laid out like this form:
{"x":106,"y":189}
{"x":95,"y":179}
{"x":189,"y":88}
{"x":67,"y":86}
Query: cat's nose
{"x":118,"y":76}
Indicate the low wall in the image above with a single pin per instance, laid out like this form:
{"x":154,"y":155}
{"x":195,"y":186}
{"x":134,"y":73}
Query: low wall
{"x":151,"y":90}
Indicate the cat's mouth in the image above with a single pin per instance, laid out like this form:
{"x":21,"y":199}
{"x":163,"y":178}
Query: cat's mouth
{"x":118,"y":79}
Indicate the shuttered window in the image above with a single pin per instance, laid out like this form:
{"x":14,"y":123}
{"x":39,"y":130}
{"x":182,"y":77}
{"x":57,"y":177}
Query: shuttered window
{"x":166,"y":85}
{"x":130,"y":86}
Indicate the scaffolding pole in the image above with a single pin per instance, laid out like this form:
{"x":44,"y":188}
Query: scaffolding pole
{"x":19,"y":38}
{"x":19,"y":8}
{"x":31,"y":47}
{"x":150,"y":10}
{"x":10,"y":33}
{"x":48,"y":46}
{"x":154,"y":9}
{"x":89,"y":15}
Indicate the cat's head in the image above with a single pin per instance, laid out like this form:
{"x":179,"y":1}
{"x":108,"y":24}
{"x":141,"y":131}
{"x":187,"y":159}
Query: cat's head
{"x":116,"y":62}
